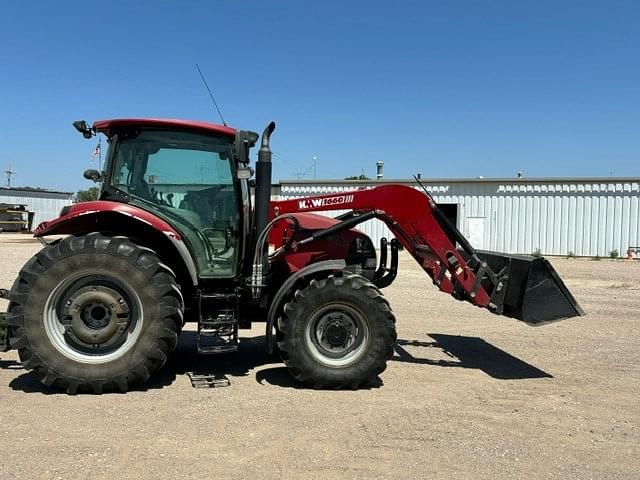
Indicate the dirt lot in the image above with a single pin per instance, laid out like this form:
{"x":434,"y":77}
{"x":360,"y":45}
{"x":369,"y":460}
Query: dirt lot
{"x":468,"y":395}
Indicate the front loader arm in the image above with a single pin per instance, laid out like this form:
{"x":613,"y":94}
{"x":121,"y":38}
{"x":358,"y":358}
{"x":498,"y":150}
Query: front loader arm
{"x":517,"y":286}
{"x":410,"y":216}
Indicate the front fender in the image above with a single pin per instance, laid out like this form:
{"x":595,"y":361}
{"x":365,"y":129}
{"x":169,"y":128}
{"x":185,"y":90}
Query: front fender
{"x":86,"y":212}
{"x":123,"y":219}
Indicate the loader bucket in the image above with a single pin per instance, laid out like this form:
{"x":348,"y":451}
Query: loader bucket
{"x":535,"y":293}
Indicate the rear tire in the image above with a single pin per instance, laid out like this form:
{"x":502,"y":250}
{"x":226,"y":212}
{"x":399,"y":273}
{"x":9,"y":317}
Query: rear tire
{"x":94,"y":313}
{"x":337,"y":332}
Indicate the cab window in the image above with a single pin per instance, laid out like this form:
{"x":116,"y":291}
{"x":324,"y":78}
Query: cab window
{"x":187,"y":178}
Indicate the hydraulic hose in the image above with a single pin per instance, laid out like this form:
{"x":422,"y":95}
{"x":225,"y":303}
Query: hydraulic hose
{"x":257,"y":275}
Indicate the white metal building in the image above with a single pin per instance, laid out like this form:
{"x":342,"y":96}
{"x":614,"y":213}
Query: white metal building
{"x":558,"y":216}
{"x":44,"y":203}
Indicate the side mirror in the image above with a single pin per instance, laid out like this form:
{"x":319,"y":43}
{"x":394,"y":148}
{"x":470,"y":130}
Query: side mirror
{"x":83,"y":128}
{"x":244,"y":173}
{"x":93,"y":174}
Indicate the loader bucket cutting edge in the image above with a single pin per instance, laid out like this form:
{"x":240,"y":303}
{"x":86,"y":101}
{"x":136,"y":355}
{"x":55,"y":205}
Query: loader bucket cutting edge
{"x":535,"y":292}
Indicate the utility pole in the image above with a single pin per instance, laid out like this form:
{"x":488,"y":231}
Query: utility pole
{"x":9,"y":173}
{"x":315,"y":167}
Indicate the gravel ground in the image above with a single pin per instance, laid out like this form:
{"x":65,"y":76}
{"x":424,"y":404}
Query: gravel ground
{"x":467,"y":395}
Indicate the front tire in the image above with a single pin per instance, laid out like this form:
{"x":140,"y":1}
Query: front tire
{"x":337,"y":332}
{"x":94,"y":313}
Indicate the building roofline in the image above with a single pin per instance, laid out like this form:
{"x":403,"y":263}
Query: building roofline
{"x":464,"y":180}
{"x":5,"y":190}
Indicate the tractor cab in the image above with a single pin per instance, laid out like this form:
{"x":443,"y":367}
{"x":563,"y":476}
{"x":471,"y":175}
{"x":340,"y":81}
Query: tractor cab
{"x":187,"y":174}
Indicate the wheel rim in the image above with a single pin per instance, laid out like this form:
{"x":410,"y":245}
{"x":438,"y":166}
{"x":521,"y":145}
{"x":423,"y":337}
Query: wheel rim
{"x":93,"y":318}
{"x":337,"y":335}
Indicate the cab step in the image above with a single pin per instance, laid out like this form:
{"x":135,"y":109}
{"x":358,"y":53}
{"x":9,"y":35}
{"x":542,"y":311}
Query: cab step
{"x":219,"y":334}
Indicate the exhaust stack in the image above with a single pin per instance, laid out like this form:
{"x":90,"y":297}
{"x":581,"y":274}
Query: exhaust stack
{"x":262,"y":202}
{"x":263,"y":182}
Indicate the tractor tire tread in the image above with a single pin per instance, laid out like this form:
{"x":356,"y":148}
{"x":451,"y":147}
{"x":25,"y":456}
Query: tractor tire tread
{"x":372,"y":363}
{"x":161,"y":280}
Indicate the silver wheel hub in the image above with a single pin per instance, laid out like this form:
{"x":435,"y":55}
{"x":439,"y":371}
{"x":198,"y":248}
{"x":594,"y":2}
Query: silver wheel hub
{"x":337,"y":335}
{"x":93,"y":319}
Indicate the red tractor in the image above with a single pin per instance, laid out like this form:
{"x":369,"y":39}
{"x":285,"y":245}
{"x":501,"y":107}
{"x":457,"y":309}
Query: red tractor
{"x":176,"y":236}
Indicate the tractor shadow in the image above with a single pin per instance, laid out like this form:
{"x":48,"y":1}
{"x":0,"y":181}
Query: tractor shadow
{"x":468,"y":352}
{"x":462,"y":352}
{"x":250,"y":355}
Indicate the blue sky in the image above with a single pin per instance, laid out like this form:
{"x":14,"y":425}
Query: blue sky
{"x":447,"y":88}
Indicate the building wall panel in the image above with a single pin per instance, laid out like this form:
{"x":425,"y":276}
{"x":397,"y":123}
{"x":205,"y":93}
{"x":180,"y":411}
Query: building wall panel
{"x":585,"y":216}
{"x":45,"y":205}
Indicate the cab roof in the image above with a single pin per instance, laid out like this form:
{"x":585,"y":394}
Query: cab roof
{"x":108,"y":126}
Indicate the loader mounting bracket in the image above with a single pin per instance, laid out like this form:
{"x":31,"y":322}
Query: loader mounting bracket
{"x":383,"y":276}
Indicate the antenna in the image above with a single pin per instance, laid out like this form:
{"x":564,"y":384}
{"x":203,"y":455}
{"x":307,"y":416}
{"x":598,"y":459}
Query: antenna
{"x":211,"y":95}
{"x":9,"y":173}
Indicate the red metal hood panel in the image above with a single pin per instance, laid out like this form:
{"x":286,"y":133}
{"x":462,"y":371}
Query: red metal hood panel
{"x":313,"y":221}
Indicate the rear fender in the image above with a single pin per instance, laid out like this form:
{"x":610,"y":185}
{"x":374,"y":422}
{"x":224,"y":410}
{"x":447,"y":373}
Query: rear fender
{"x":142,"y":227}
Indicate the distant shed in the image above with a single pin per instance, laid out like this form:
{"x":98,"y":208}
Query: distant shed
{"x":584,"y":216}
{"x":45,"y":204}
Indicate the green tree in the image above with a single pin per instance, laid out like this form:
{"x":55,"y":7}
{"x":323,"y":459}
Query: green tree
{"x":88,"y":195}
{"x":358,"y":177}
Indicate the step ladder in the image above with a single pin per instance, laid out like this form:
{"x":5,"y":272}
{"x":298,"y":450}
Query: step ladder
{"x":217,"y":325}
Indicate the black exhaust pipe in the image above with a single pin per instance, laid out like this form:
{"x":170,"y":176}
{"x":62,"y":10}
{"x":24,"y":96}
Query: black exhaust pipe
{"x":263,"y":183}
{"x":261,"y":209}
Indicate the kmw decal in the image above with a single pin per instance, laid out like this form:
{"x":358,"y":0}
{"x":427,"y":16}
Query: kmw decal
{"x":325,"y":202}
